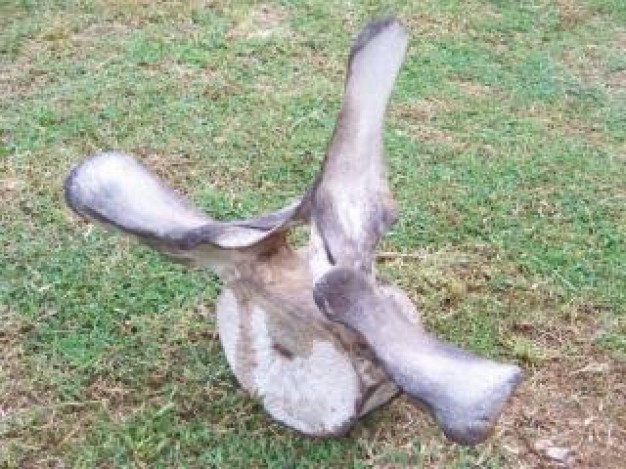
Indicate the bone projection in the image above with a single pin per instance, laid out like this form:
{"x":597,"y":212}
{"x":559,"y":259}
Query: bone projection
{"x":314,"y":334}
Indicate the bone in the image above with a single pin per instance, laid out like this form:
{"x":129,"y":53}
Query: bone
{"x":119,"y":192}
{"x":351,"y":205}
{"x":115,"y":188}
{"x":349,"y":208}
{"x":464,"y":393}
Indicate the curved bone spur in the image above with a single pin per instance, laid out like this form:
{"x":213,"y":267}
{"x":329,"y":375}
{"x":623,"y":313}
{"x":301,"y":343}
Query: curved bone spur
{"x":315,"y":335}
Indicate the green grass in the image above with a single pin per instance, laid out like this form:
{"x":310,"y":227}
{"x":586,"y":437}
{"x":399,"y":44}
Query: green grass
{"x":506,"y":142}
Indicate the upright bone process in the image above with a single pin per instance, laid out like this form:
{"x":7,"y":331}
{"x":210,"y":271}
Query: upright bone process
{"x":315,"y":334}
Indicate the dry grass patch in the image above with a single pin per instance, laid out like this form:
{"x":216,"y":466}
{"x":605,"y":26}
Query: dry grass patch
{"x":573,"y":13}
{"x":262,"y":21}
{"x":477,"y":90}
{"x":558,"y":121}
{"x":418,"y":121}
{"x":431,"y":22}
{"x":572,"y":406}
{"x":592,"y":63}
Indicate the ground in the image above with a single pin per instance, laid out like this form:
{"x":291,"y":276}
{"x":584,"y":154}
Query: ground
{"x":506,"y":141}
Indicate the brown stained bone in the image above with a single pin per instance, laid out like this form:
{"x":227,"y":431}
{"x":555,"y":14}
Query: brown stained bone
{"x":316,"y":336}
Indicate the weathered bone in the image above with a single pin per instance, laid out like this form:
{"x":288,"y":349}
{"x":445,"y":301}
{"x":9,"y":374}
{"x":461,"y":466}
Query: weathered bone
{"x":351,"y":205}
{"x":465,"y":393}
{"x":314,"y":369}
{"x":117,"y":191}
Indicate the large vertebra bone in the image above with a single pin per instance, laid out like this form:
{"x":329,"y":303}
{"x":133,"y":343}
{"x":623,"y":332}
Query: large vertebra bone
{"x":315,"y":335}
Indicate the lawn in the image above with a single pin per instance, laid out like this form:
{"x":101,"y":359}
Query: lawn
{"x":506,"y":144}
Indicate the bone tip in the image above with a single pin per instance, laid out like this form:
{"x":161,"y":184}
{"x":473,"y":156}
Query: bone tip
{"x":481,"y":426}
{"x":71,"y":185}
{"x":73,"y":190}
{"x":373,"y":29}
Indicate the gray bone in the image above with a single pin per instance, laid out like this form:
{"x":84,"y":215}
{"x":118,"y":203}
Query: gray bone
{"x":315,"y":335}
{"x":464,"y":393}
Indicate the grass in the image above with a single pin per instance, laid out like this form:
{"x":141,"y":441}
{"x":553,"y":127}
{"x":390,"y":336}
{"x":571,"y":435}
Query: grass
{"x":506,"y":140}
